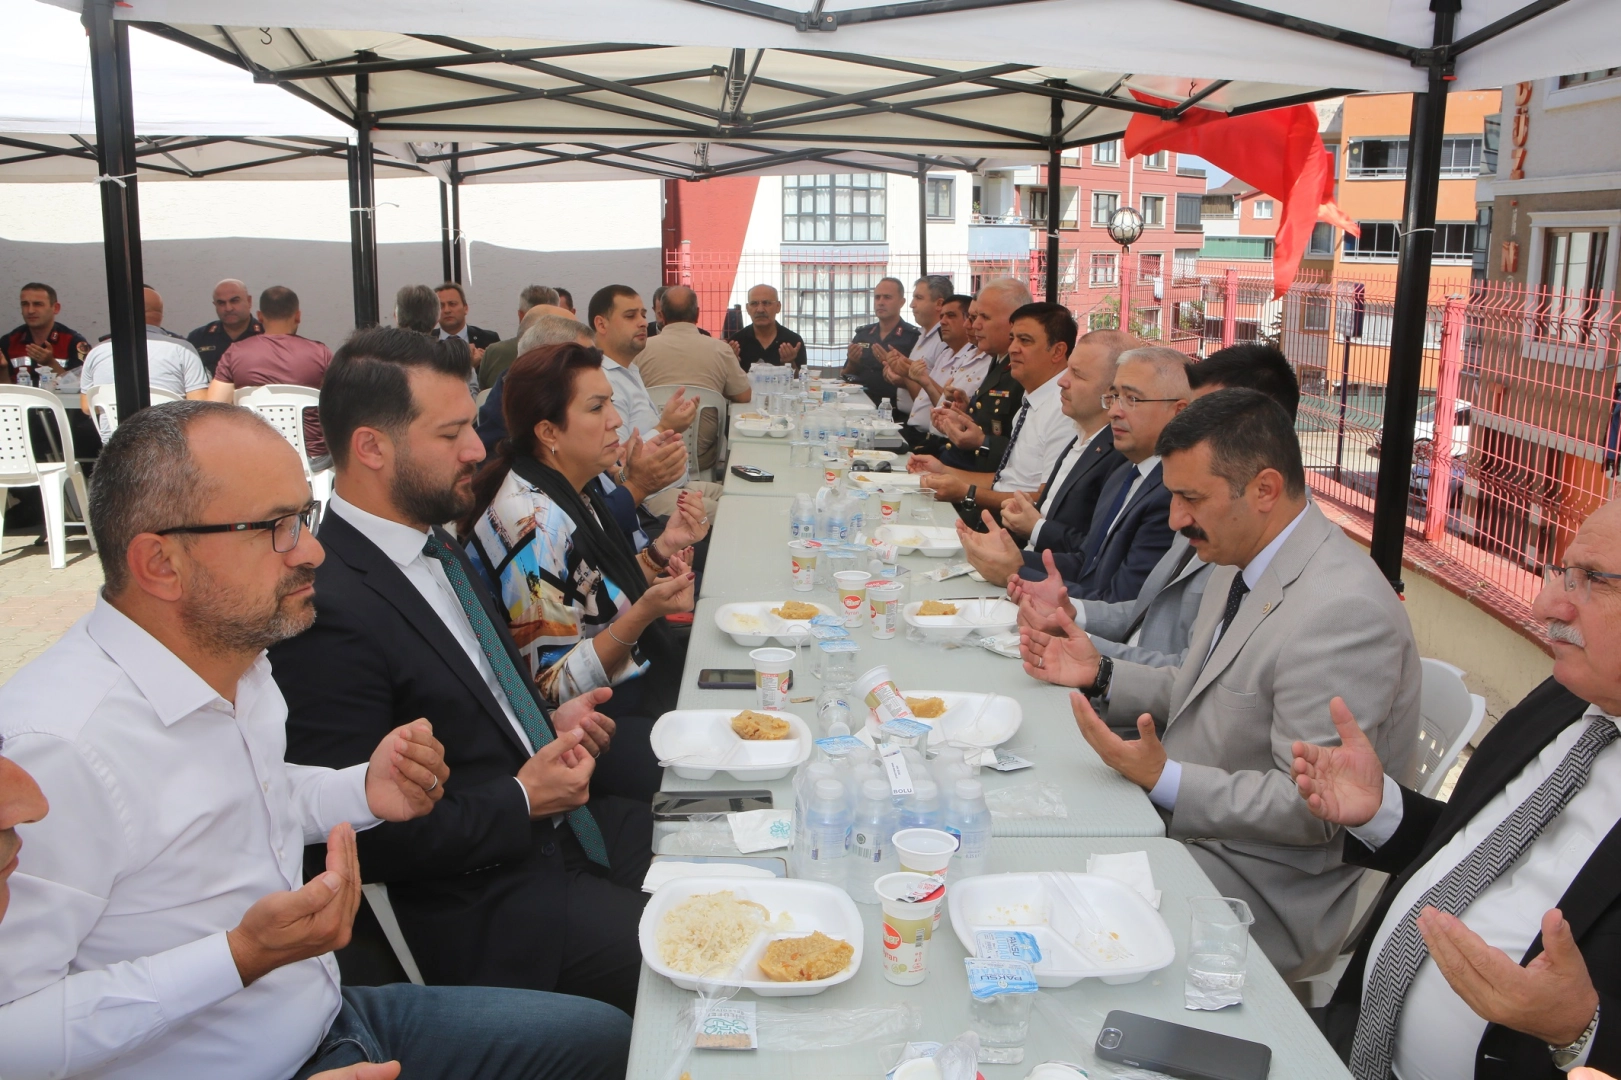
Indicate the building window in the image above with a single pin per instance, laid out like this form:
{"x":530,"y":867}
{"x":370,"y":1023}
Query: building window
{"x":1321,"y":244}
{"x":1314,"y":313}
{"x":1104,"y":204}
{"x":1189,"y":212}
{"x":1106,"y":153}
{"x":834,"y":208}
{"x":1186,"y":264}
{"x":1572,"y":274}
{"x":1589,"y":76}
{"x":942,"y":198}
{"x":825,"y":302}
{"x":1145,"y":322}
{"x":1455,"y":241}
{"x":1149,"y":265}
{"x":1333,"y":159}
{"x":1103,"y":268}
{"x":1379,"y":240}
{"x":1102,"y":320}
{"x":1160,"y":160}
{"x":1263,"y":210}
{"x":1038,"y":205}
{"x":1460,"y":156}
{"x":1154,"y":211}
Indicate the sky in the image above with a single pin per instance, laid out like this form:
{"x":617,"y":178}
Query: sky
{"x":1214,"y":177}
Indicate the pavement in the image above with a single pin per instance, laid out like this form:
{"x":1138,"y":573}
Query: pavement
{"x":38,"y":604}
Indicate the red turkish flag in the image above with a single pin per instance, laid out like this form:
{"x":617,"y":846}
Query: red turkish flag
{"x":1278,"y":152}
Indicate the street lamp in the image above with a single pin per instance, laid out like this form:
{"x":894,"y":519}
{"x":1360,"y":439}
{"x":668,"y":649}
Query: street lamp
{"x":1125,"y":228}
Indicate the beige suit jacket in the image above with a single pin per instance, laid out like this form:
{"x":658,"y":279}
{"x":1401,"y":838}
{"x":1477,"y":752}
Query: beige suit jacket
{"x":1321,"y":622}
{"x":679,"y":354}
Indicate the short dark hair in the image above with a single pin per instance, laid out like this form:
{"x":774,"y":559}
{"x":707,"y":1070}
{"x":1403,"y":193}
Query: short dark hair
{"x":680,"y":304}
{"x":535,"y":295}
{"x":38,"y":286}
{"x":602,"y":302}
{"x":416,"y":307}
{"x":367,"y":385}
{"x":900,"y":286}
{"x":461,"y":292}
{"x":1247,"y":432}
{"x":278,"y":302}
{"x":959,"y":298}
{"x":1056,"y":322}
{"x":565,"y":296}
{"x":146,"y":479}
{"x":939,"y":286}
{"x":1253,"y":364}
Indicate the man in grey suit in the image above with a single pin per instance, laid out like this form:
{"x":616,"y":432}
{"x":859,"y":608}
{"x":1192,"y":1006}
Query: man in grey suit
{"x":1295,"y":615}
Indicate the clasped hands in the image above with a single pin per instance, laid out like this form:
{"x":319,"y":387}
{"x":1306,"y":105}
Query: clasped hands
{"x":1552,"y":998}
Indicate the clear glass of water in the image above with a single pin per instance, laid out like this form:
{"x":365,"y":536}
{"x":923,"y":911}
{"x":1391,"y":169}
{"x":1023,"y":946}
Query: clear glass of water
{"x":799,"y":454}
{"x":922,"y":506}
{"x":1002,"y":1023}
{"x":1218,"y":950}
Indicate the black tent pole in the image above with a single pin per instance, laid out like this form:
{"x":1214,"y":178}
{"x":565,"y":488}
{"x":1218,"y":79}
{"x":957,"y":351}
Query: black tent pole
{"x":363,"y":208}
{"x":1411,"y":309}
{"x":445,"y":239}
{"x":456,"y":268}
{"x":1055,"y":172}
{"x":922,"y":217}
{"x":120,"y":212}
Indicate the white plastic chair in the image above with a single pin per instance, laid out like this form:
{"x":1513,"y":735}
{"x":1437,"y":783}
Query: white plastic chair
{"x":377,"y":897}
{"x":103,"y":401}
{"x":1449,"y":717}
{"x":282,"y":406}
{"x":709,"y":401}
{"x":19,"y":469}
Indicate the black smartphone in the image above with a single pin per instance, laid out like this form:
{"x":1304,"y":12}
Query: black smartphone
{"x":753,"y":475}
{"x":1177,"y":1050}
{"x":682,"y":805}
{"x":726,"y":679}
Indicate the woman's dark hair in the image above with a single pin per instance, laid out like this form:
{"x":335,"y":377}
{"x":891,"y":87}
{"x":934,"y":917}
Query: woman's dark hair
{"x":538,"y":386}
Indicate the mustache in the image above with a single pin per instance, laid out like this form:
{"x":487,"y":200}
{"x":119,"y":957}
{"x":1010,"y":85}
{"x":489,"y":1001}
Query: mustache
{"x":10,"y":844}
{"x":298,"y":579}
{"x":1193,"y":532}
{"x":1566,"y":632}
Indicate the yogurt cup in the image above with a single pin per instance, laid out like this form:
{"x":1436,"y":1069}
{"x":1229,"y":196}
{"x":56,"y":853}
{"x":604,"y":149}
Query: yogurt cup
{"x":910,"y":902}
{"x":803,"y":554}
{"x":884,"y":601}
{"x":852,"y":586}
{"x":772,"y":676}
{"x":884,"y":701}
{"x":889,"y":507}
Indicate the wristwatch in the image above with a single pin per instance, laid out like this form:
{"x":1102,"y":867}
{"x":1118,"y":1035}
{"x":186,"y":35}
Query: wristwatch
{"x":968,"y":500}
{"x":1566,"y":1056}
{"x":1100,"y":685}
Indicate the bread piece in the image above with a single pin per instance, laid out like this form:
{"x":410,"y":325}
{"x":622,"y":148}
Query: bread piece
{"x":796,"y":609}
{"x":937,"y":607}
{"x":753,"y":725}
{"x":926,"y":708}
{"x":806,"y":959}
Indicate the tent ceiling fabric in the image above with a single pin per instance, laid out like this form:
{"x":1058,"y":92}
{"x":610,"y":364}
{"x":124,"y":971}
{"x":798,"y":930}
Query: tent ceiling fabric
{"x":1368,"y":45}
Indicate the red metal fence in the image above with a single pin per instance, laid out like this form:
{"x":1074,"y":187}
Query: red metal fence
{"x":1516,"y":441}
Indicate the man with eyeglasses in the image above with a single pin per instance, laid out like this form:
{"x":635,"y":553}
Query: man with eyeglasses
{"x":1495,"y":948}
{"x":161,"y":925}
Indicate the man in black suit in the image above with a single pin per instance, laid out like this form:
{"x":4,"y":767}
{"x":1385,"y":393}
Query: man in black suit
{"x":519,"y":881}
{"x":453,"y":321}
{"x":1457,"y":975}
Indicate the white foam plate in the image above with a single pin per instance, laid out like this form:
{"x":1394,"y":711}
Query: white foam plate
{"x":703,"y":741}
{"x":756,"y":428}
{"x":966,"y":724}
{"x":988,"y":615}
{"x":813,"y":905}
{"x":1020,"y":901}
{"x":751,"y":623}
{"x":887,"y":481}
{"x":937,"y":541}
{"x":875,"y":455}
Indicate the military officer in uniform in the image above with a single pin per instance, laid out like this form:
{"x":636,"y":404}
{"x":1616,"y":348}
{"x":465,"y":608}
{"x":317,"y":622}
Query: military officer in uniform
{"x":40,"y":344}
{"x":865,"y":359}
{"x":233,"y":321}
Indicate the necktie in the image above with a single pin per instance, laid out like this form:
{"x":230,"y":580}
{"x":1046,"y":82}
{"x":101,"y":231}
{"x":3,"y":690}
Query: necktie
{"x":512,"y":683}
{"x":1235,"y":597}
{"x":1007,"y":451}
{"x":1404,"y":951}
{"x":1103,"y":526}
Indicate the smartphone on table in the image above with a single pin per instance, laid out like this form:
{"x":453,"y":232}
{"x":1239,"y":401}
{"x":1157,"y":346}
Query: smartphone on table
{"x":1143,"y":1042}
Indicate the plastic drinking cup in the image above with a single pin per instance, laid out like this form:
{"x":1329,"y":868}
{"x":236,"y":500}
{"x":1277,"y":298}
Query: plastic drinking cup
{"x":1218,"y":947}
{"x":852,"y":586}
{"x":799,"y":454}
{"x":772,"y":672}
{"x":926,"y":851}
{"x":923,"y":506}
{"x":908,"y":926}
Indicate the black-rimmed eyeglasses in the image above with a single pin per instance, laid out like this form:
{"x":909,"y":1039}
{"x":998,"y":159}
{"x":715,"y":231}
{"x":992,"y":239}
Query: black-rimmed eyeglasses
{"x":284,"y":531}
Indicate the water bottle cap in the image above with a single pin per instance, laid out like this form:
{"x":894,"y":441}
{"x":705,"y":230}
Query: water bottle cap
{"x":970,"y":789}
{"x":829,"y":789}
{"x":820,"y":770}
{"x":876,"y":789}
{"x":924,"y":788}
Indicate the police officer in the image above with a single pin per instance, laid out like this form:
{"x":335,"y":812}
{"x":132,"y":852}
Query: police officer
{"x":41,"y":345}
{"x":865,"y":362}
{"x":233,"y":321}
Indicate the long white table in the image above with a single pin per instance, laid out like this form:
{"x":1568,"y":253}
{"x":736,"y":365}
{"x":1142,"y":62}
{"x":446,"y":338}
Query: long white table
{"x":1270,"y":1013}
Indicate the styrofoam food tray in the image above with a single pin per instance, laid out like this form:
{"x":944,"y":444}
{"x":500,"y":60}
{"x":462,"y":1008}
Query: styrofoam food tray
{"x":704,"y":742}
{"x":751,"y":624}
{"x":1020,"y":901}
{"x":887,"y":481}
{"x":965,"y":724}
{"x":988,"y":615}
{"x":757,"y":428}
{"x":939,"y":541}
{"x":813,"y":905}
{"x":874,"y":455}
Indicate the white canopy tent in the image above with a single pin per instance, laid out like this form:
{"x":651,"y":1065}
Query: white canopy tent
{"x":1044,"y":76}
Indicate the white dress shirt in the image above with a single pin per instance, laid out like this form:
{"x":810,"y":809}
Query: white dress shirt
{"x":1083,"y":443}
{"x":1437,"y":1034}
{"x":930,"y":347}
{"x":462,"y":333}
{"x":962,"y":370}
{"x":172,"y":812}
{"x":1164,"y":792}
{"x":1041,"y":438}
{"x":635,"y":406}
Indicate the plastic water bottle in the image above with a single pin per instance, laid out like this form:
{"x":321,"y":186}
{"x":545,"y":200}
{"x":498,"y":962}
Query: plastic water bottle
{"x":858,"y":511}
{"x":827,"y":828}
{"x":838,"y":520}
{"x":949,"y":767}
{"x":870,"y":832}
{"x":969,"y":820}
{"x":922,"y":810}
{"x":804,"y":783}
{"x":802,"y":518}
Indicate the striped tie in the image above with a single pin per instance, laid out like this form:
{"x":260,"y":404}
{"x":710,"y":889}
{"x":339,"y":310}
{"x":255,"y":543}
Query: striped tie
{"x":1007,"y":451}
{"x":530,"y":718}
{"x":1404,"y":951}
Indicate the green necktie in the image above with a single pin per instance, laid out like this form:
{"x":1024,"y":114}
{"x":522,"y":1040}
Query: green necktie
{"x":530,"y":718}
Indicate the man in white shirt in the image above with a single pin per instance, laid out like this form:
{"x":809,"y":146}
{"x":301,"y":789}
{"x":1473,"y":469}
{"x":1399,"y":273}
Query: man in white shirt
{"x":1495,"y":949}
{"x":929,"y":295}
{"x":1043,"y":335}
{"x":159,"y":927}
{"x":172,"y":363}
{"x":958,"y":365}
